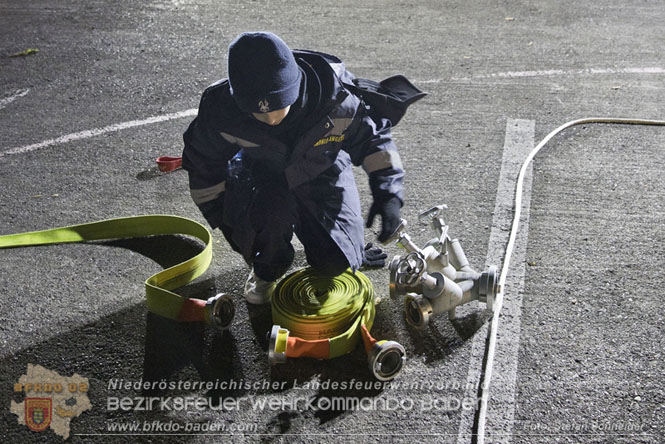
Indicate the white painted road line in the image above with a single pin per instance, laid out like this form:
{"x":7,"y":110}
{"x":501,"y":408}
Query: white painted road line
{"x":98,"y":131}
{"x":519,"y":142}
{"x":192,"y":112}
{"x":549,"y":73}
{"x":501,"y":406}
{"x":7,"y":100}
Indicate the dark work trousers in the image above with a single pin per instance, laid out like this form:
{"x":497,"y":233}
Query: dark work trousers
{"x":261,"y":215}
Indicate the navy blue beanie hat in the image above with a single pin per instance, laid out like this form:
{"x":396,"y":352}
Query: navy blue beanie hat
{"x":263,"y":73}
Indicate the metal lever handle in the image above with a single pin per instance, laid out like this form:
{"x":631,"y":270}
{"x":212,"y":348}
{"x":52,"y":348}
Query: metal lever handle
{"x":432,"y":213}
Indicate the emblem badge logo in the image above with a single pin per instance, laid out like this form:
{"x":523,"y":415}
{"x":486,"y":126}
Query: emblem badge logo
{"x":264,"y":106}
{"x":38,"y":413}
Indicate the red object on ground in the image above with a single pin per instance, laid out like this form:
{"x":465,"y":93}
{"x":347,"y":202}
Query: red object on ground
{"x":166,"y":163}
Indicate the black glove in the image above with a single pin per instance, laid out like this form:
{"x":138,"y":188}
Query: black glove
{"x":373,"y":257}
{"x":390,"y":219}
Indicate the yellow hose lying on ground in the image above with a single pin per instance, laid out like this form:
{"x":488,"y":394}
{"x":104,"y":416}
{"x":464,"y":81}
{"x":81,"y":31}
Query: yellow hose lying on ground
{"x":159,"y":297}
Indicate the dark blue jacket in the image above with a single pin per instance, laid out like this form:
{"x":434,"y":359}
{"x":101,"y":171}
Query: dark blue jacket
{"x":317,"y":168}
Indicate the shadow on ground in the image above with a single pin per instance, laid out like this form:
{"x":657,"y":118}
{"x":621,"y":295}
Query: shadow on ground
{"x":134,"y":345}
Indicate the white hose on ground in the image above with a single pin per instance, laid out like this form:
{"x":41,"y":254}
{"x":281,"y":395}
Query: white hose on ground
{"x":494,"y":326}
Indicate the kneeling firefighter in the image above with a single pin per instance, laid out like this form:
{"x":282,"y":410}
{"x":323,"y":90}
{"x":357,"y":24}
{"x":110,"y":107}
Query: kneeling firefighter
{"x":270,"y":152}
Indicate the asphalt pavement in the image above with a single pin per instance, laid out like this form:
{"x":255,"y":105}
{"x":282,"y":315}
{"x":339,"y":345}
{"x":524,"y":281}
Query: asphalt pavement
{"x":91,"y":92}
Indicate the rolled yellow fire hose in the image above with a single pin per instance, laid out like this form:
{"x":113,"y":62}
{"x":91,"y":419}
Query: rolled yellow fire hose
{"x":159,"y":297}
{"x":323,"y":317}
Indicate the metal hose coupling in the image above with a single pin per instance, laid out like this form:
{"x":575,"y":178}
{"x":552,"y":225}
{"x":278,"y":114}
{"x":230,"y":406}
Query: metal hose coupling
{"x":386,"y":358}
{"x":488,"y":286}
{"x":219,"y":311}
{"x":437,"y":278}
{"x":417,"y":310}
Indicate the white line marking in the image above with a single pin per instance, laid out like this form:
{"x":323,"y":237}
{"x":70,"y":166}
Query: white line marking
{"x":519,"y":141}
{"x":549,"y":73}
{"x":501,"y":407}
{"x":7,"y":100}
{"x":97,"y":132}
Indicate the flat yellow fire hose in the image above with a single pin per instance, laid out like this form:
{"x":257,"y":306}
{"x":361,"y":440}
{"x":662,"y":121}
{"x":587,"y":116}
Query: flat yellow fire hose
{"x":322,"y":317}
{"x":159,"y":297}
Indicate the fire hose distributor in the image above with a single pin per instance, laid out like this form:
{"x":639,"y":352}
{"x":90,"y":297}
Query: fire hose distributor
{"x":437,"y":278}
